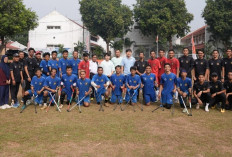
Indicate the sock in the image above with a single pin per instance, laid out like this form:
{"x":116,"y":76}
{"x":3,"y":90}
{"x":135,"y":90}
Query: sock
{"x":207,"y":104}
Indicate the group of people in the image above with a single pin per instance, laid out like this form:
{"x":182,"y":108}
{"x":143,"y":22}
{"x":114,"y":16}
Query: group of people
{"x":205,"y":82}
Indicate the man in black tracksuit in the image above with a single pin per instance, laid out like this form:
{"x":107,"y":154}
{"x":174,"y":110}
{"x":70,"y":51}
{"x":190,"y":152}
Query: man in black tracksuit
{"x":216,"y":65}
{"x":38,"y":59}
{"x":217,"y":92}
{"x":228,"y":87}
{"x":16,"y":77}
{"x":21,"y":61}
{"x":186,"y":62}
{"x":228,"y":63}
{"x":29,"y":67}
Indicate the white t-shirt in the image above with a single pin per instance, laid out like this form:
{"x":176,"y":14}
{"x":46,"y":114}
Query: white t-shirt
{"x":117,"y":61}
{"x":108,"y":67}
{"x":93,"y":67}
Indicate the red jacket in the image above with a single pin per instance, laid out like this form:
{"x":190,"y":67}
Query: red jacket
{"x":3,"y":78}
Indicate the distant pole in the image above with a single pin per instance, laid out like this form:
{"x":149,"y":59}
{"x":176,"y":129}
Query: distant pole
{"x":83,"y":33}
{"x":157,"y":43}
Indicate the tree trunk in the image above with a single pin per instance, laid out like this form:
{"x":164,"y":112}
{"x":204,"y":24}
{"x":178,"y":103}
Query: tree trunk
{"x":170,"y":44}
{"x":107,"y":47}
{"x":2,"y":45}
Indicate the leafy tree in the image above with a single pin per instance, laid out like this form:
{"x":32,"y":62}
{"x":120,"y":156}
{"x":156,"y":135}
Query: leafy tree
{"x":79,"y":47}
{"x":61,"y":48}
{"x":15,"y":18}
{"x":117,"y":45}
{"x":165,"y":18}
{"x":128,"y":42}
{"x":106,"y":18}
{"x":218,"y":15}
{"x":99,"y":51}
{"x":22,"y":38}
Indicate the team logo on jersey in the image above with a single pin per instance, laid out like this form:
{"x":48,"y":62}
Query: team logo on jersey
{"x":187,"y":61}
{"x":102,"y":80}
{"x":230,"y":62}
{"x":70,"y":80}
{"x":165,"y":79}
{"x":181,"y":61}
{"x":181,"y":85}
{"x":211,"y":63}
{"x":145,"y":78}
{"x":15,"y":67}
{"x":86,"y":83}
{"x":80,"y":83}
{"x":143,"y":65}
{"x":65,"y":80}
{"x":226,"y":62}
{"x":54,"y":83}
{"x":52,"y":64}
{"x":35,"y":82}
{"x":50,"y":82}
{"x":97,"y":80}
{"x":119,"y":81}
{"x":153,"y":64}
{"x":134,"y":81}
{"x":56,"y":64}
{"x":196,"y":62}
{"x":63,"y":63}
{"x":40,"y":83}
{"x":186,"y":84}
{"x":201,"y":63}
{"x":217,"y":63}
{"x":216,"y":86}
{"x":161,"y":62}
{"x":73,"y":64}
{"x":170,"y":79}
{"x":151,"y":78}
{"x":30,"y":62}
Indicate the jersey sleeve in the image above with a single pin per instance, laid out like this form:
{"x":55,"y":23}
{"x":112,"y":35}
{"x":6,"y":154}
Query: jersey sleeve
{"x":162,"y":80}
{"x":94,"y":78}
{"x":46,"y":82}
{"x":178,"y":83}
{"x":33,"y":81}
{"x":159,"y":65}
{"x":80,"y":65}
{"x":207,"y":64}
{"x":221,"y":86}
{"x":139,"y":80}
{"x":189,"y":83}
{"x":11,"y":66}
{"x":41,"y":64}
{"x":195,"y":87}
{"x":175,"y":80}
{"x":49,"y":63}
{"x":58,"y":81}
{"x":59,"y":63}
{"x":177,"y":63}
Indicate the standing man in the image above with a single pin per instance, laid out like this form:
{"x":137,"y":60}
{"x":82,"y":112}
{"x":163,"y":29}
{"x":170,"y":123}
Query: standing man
{"x":228,"y":87}
{"x":54,"y":63}
{"x":108,"y":66}
{"x":63,"y":63}
{"x":84,"y":65}
{"x":216,"y":65}
{"x":93,"y":65}
{"x":127,"y":62}
{"x":74,"y":63}
{"x":163,"y":61}
{"x":154,"y":63}
{"x":174,"y":63}
{"x":44,"y":65}
{"x":29,"y":67}
{"x":21,"y":61}
{"x":186,"y":62}
{"x":38,"y":59}
{"x":141,"y":64}
{"x":228,"y":63}
{"x":200,"y":66}
{"x":117,"y":60}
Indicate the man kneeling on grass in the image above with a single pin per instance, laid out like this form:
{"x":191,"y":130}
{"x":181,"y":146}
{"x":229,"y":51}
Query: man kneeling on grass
{"x":101,"y":82}
{"x":68,"y":85}
{"x":37,"y":87}
{"x":133,"y":83}
{"x":167,"y":87}
{"x":83,"y":89}
{"x":201,"y":92}
{"x":117,"y":85}
{"x":148,"y":84}
{"x":228,"y":87}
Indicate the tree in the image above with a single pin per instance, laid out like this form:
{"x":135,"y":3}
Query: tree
{"x":218,"y":16}
{"x":80,"y":46}
{"x":22,"y":38}
{"x":15,"y":18}
{"x":106,"y":18}
{"x":117,"y":45}
{"x":165,"y":18}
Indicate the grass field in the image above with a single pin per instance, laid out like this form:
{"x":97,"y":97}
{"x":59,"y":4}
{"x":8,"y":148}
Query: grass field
{"x":115,"y":133}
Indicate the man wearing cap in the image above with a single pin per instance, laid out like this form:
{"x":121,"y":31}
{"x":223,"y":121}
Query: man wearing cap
{"x":16,"y":78}
{"x":29,"y":67}
{"x":217,"y":92}
{"x":184,"y":87}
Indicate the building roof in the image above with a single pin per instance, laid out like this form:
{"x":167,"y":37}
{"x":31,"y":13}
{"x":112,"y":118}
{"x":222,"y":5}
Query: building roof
{"x":194,"y":33}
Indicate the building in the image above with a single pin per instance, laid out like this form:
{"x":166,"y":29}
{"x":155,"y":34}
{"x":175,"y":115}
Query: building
{"x":55,"y":29}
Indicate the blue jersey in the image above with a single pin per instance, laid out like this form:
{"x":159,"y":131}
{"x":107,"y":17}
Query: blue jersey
{"x":54,"y":64}
{"x":63,"y":63}
{"x":184,"y":85}
{"x":69,"y":81}
{"x":133,"y":80}
{"x":74,"y":63}
{"x":149,"y":83}
{"x":44,"y":67}
{"x":168,"y":81}
{"x":83,"y":86}
{"x":52,"y":83}
{"x":118,"y":81}
{"x":37,"y":83}
{"x":100,"y":80}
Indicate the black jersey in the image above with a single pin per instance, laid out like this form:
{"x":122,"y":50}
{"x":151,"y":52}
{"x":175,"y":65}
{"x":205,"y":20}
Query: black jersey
{"x":228,"y":66}
{"x":141,"y":66}
{"x":201,"y":87}
{"x":216,"y":66}
{"x":187,"y":63}
{"x":216,"y":87}
{"x":30,"y":63}
{"x":228,"y":86}
{"x":16,"y":67}
{"x":200,"y":66}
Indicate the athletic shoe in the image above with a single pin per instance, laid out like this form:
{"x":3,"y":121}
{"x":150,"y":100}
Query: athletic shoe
{"x":3,"y":107}
{"x":7,"y":106}
{"x":198,"y":106}
{"x":184,"y":110}
{"x":213,"y":107}
{"x":44,"y":107}
{"x":60,"y":107}
{"x":40,"y":105}
{"x":23,"y":107}
{"x":15,"y":105}
{"x":223,"y":111}
{"x":91,"y":99}
{"x":206,"y":108}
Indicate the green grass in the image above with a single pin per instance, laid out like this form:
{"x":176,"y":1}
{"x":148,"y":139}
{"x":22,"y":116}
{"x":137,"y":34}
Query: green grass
{"x":115,"y":133}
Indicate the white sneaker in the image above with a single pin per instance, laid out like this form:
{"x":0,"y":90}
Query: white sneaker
{"x":206,"y":108}
{"x":7,"y":106}
{"x":184,"y":110}
{"x":3,"y":107}
{"x":60,"y":107}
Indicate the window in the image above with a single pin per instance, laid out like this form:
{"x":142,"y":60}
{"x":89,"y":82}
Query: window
{"x":53,"y":27}
{"x":93,"y":38}
{"x":136,"y":27}
{"x":52,"y":45}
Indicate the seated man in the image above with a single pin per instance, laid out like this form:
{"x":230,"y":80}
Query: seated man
{"x":148,"y":84}
{"x":68,"y":85}
{"x":217,"y":92}
{"x":101,"y":82}
{"x":184,"y":87}
{"x":133,"y":83}
{"x":117,"y":85}
{"x":201,"y":92}
{"x":84,"y":89}
{"x":52,"y":83}
{"x":167,"y":87}
{"x":228,"y":87}
{"x":37,"y":87}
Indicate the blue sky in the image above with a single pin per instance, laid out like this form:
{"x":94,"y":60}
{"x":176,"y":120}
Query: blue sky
{"x":70,"y":8}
